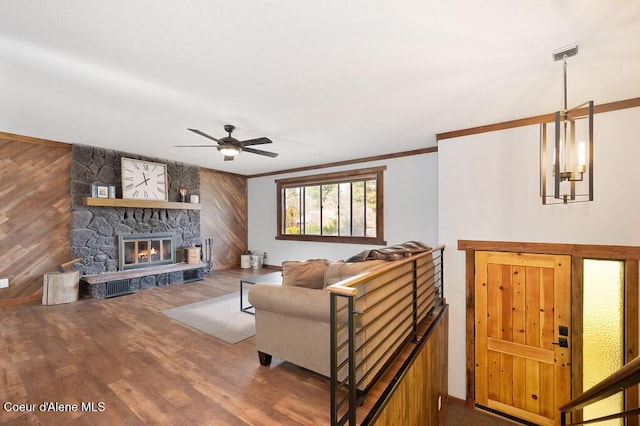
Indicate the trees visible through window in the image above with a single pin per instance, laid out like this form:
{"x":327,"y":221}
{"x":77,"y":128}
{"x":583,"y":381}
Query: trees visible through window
{"x":340,"y":207}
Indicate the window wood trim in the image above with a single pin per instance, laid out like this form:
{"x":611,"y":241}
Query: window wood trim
{"x":324,"y":178}
{"x":335,"y":177}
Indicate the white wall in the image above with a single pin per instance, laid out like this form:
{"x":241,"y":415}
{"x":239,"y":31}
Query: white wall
{"x":410,"y":210}
{"x":488,"y":189}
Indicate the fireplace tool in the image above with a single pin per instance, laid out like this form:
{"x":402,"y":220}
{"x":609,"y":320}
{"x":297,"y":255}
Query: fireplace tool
{"x":207,"y":251}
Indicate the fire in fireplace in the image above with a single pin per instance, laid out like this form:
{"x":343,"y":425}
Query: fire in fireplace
{"x":144,"y":250}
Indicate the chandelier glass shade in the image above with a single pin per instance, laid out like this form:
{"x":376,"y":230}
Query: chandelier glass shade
{"x":566,"y":149}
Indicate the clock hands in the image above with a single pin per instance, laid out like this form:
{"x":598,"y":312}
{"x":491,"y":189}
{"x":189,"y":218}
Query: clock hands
{"x":146,"y":179}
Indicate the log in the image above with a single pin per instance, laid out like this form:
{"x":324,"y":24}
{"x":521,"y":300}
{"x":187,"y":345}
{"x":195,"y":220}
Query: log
{"x":60,"y":287}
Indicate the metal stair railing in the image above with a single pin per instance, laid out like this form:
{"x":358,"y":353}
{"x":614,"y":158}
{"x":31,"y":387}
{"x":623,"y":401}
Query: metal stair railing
{"x":357,"y":363}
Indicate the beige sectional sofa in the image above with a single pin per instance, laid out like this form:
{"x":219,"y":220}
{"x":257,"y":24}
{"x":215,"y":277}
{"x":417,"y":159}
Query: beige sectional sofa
{"x":293,"y":320}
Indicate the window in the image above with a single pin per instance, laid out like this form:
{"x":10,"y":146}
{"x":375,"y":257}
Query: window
{"x":342,"y":207}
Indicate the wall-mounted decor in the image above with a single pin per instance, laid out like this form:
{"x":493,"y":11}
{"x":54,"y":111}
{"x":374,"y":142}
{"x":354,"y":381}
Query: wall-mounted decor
{"x":143,"y":180}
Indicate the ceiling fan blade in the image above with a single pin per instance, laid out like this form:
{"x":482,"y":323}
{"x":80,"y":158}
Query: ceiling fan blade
{"x":204,"y":134}
{"x":257,"y":141}
{"x":260,"y":152}
{"x":196,"y":146}
{"x":228,"y":158}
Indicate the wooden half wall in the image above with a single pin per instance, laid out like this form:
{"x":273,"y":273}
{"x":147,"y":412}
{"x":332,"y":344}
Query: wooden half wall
{"x":35,"y":212}
{"x":420,"y":393}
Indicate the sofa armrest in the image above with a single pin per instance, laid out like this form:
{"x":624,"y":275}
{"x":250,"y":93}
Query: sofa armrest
{"x":297,"y":302}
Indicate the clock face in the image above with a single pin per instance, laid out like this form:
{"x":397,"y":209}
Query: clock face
{"x":143,"y":180}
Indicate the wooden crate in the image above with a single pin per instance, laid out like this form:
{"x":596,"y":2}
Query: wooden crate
{"x":193,"y":255}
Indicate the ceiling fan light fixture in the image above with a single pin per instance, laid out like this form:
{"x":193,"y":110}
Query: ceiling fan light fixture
{"x":229,"y":150}
{"x":230,"y":147}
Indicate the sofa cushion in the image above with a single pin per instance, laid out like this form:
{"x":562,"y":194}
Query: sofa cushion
{"x":332,"y":274}
{"x":338,"y":271}
{"x":309,"y":274}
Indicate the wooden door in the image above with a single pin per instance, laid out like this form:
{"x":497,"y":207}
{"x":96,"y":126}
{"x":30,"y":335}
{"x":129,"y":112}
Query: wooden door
{"x":521,"y":303}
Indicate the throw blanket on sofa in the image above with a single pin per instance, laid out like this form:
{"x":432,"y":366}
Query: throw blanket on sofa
{"x":390,"y":253}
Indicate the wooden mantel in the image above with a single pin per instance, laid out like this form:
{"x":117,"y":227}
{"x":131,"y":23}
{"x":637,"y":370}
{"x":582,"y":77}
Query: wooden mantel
{"x":147,"y":204}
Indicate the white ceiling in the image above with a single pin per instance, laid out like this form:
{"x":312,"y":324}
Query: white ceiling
{"x":325,"y":80}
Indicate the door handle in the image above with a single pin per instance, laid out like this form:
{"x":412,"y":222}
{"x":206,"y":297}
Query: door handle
{"x":562,"y":341}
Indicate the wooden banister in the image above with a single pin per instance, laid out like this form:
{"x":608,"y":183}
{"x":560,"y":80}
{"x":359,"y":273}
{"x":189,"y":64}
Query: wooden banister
{"x":627,"y":376}
{"x":347,"y":286}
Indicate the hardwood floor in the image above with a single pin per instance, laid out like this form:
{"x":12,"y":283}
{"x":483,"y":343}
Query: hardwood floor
{"x":138,"y":366}
{"x":130,"y":364}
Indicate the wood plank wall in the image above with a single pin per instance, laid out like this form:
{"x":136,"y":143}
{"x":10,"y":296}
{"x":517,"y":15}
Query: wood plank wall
{"x":35,"y":212}
{"x":415,"y":397}
{"x":224,"y":216}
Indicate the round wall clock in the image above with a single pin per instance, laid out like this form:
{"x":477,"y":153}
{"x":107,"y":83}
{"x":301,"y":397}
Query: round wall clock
{"x":143,"y":180}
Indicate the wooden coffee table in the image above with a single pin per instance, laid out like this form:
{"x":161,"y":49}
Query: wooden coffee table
{"x":274,"y":278}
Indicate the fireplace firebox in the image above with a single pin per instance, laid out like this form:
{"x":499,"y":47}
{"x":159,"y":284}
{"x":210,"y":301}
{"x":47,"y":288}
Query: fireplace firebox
{"x":144,"y":250}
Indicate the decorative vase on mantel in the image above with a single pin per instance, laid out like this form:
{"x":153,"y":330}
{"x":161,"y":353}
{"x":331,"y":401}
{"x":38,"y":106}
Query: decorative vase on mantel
{"x":245,"y":259}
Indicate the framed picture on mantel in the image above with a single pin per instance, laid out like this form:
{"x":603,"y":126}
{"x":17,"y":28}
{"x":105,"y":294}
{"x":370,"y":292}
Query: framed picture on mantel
{"x":102,"y":191}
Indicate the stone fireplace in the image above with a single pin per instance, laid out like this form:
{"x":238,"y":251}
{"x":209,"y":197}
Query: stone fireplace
{"x":96,"y":232}
{"x":144,"y":250}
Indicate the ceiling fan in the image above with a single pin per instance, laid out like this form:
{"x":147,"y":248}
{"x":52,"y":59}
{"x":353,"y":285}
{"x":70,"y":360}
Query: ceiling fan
{"x":230,"y":146}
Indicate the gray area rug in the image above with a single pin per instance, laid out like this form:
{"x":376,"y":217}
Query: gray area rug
{"x":220,"y":317}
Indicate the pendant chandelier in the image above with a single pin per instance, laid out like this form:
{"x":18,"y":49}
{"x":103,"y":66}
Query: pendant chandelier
{"x":566,"y":166}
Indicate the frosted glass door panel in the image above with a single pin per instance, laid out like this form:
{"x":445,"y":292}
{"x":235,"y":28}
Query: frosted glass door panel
{"x":603,"y":332}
